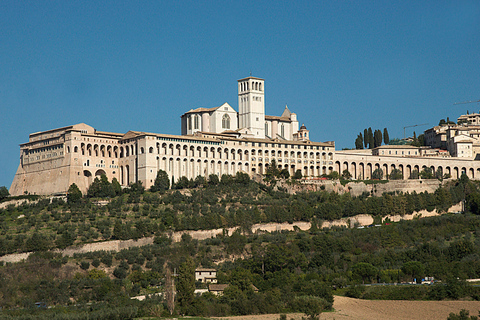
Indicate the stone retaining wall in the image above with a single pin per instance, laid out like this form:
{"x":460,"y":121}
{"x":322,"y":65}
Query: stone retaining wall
{"x":117,"y":245}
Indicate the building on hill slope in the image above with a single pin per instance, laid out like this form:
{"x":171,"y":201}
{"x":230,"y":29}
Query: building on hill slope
{"x":221,"y":141}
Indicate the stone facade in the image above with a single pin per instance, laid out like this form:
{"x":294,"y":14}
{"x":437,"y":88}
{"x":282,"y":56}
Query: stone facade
{"x":216,"y":141}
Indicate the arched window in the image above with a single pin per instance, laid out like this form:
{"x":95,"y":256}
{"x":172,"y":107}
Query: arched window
{"x":226,"y":121}
{"x":189,"y":121}
{"x":282,"y":131}
{"x":266,"y":128}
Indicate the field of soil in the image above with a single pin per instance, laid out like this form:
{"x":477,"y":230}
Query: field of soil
{"x":357,"y":309}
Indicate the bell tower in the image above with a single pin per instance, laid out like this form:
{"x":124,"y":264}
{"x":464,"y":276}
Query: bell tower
{"x":251,"y":106}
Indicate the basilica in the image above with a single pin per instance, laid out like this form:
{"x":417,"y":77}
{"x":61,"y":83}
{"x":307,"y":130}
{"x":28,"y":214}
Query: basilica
{"x":221,"y":140}
{"x":216,"y":140}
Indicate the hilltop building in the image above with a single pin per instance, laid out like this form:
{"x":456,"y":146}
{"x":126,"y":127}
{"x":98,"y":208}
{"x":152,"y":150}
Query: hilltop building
{"x":213,"y":141}
{"x":221,"y":141}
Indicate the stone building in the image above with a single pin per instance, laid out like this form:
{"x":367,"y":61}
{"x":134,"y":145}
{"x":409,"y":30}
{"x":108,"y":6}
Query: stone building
{"x":213,"y":141}
{"x":221,"y":141}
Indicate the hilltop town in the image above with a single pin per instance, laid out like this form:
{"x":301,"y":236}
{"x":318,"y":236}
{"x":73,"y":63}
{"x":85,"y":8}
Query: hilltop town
{"x":220,"y":140}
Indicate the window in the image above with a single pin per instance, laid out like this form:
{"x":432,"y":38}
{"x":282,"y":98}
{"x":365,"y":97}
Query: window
{"x":189,"y":121}
{"x":196,"y":121}
{"x":266,"y":128}
{"x":226,"y":121}
{"x":282,"y":131}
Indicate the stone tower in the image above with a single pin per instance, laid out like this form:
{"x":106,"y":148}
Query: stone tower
{"x":251,"y":106}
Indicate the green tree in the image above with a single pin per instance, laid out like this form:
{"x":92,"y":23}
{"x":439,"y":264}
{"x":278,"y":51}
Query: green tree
{"x":377,"y":138}
{"x":377,"y":174}
{"x":365,"y":138}
{"x":311,"y":306}
{"x":359,"y":142}
{"x":364,"y":271}
{"x":396,"y":174}
{"x":242,"y":178}
{"x":101,"y":188}
{"x":426,"y":173}
{"x":74,"y":194}
{"x":371,"y":140}
{"x":346,"y":175}
{"x":414,"y":269}
{"x":463,"y":315}
{"x":117,"y":188}
{"x":213,"y":179}
{"x":284,"y":174}
{"x":162,"y":182}
{"x":3,"y":192}
{"x":414,"y":174}
{"x":386,"y":138}
{"x":272,"y":170}
{"x":186,"y":285}
{"x":298,"y":174}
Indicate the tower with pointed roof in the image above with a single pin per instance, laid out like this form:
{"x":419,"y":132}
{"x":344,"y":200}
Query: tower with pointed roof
{"x":251,"y":106}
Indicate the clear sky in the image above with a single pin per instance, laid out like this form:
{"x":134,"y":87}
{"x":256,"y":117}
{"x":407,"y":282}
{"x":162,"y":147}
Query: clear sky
{"x":341,"y":66}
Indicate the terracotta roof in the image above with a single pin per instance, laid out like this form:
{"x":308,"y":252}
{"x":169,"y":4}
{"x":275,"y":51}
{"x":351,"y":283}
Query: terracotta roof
{"x":201,"y":109}
{"x":284,"y":119}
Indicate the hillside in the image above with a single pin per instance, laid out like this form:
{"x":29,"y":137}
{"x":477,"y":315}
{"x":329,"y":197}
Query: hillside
{"x":289,"y":267}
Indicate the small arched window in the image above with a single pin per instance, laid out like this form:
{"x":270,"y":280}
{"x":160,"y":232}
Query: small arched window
{"x":266,"y":128}
{"x":226,"y":121}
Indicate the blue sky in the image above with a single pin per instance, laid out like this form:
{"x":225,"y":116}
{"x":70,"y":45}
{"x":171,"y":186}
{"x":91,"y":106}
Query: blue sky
{"x":341,"y":66}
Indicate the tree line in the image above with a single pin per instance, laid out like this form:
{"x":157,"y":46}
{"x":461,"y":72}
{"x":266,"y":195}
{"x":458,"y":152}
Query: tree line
{"x":371,"y":139}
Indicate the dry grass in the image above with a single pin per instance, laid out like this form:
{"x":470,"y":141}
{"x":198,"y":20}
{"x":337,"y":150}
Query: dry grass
{"x":357,"y":309}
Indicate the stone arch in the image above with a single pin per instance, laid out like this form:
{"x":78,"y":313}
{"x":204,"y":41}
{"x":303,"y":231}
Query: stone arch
{"x":99,"y":172}
{"x":408,"y":172}
{"x":385,"y":171}
{"x":127,"y":151}
{"x":455,"y":173}
{"x":361,"y":171}
{"x":115,"y":152}
{"x":75,"y":149}
{"x":95,"y":150}
{"x":127,"y":174}
{"x":471,"y":173}
{"x":337,"y":166}
{"x":369,"y":171}
{"x":109,"y":151}
{"x":150,"y":150}
{"x":89,"y":149}
{"x":400,"y":167}
{"x":344,"y":167}
{"x":88,"y":177}
{"x":353,"y":168}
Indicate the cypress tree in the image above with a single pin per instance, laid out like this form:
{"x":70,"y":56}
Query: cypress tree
{"x":365,"y":138}
{"x":386,"y":138}
{"x":370,"y":138}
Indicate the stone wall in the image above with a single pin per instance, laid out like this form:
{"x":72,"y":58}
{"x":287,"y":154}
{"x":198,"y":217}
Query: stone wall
{"x":117,"y":245}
